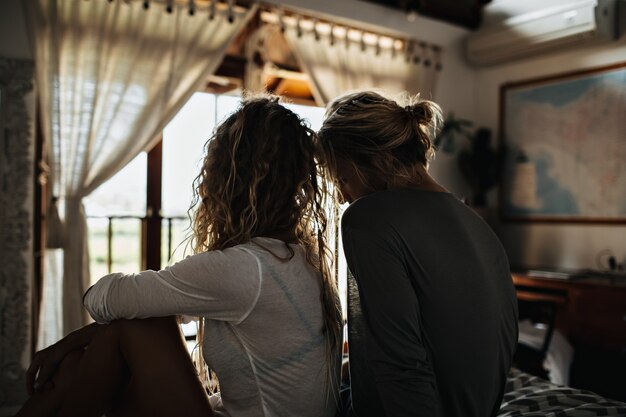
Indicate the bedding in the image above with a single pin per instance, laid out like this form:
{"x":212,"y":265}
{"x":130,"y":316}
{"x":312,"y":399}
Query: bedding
{"x":530,"y":396}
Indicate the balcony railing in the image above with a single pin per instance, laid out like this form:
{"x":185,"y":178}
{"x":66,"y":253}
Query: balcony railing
{"x":122,"y":239}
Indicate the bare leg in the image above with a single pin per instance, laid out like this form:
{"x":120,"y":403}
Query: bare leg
{"x":131,"y":368}
{"x":46,"y":402}
{"x":163,"y":380}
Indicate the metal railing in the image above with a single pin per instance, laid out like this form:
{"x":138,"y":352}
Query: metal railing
{"x":110,"y":234}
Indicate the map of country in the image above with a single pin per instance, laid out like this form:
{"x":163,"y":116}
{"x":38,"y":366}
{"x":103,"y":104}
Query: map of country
{"x":566,"y":147}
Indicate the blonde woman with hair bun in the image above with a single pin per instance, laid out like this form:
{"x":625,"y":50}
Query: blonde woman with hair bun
{"x":432,"y":311}
{"x":259,"y":280}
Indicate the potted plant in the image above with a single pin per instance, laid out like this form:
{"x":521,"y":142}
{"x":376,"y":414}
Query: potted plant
{"x":478,"y":164}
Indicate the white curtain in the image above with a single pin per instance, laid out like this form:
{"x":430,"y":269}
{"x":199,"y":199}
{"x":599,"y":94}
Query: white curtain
{"x":339,"y":60}
{"x":110,"y":76}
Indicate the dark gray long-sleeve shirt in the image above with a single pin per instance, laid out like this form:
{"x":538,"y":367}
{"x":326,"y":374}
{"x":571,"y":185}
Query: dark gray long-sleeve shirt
{"x":432,"y":307}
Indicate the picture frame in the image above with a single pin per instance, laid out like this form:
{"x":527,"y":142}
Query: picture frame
{"x":563,"y":141}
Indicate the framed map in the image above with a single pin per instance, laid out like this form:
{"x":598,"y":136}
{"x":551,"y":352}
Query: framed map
{"x":564,"y":142}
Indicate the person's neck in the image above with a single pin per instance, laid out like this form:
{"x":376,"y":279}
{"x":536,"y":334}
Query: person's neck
{"x":425,"y":182}
{"x":431,"y":185}
{"x":285,"y":236}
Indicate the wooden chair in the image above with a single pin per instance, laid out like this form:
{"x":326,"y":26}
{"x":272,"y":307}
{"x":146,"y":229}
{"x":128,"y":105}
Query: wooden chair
{"x":541,"y":309}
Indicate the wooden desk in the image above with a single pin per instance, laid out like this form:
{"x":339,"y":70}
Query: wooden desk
{"x":591,"y":311}
{"x":592,"y":315}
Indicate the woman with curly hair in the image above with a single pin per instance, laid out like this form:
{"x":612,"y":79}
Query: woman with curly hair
{"x":432,"y":312}
{"x":259,"y":281}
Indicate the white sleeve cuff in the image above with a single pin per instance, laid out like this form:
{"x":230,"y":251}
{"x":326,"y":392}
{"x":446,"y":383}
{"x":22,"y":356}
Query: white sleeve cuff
{"x":95,"y":299}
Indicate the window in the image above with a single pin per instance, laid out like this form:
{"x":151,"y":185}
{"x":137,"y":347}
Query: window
{"x":183,"y":149}
{"x":114,"y":215}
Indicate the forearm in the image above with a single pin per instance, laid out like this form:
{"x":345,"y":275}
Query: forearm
{"x":81,"y":337}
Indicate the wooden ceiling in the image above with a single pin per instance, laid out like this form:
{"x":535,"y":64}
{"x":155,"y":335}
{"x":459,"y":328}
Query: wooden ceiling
{"x":232,"y":70}
{"x":465,"y":13}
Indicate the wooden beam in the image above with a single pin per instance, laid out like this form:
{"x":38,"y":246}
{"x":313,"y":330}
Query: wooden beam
{"x":151,"y":236}
{"x":41,"y":187}
{"x":233,"y":66}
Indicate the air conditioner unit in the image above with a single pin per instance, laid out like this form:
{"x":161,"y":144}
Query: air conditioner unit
{"x":544,"y":30}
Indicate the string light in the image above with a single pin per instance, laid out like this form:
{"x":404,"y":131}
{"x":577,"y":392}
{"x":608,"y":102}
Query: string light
{"x":231,"y":12}
{"x":315,"y":30}
{"x":437,"y":52}
{"x":281,"y":21}
{"x":408,"y":50}
{"x":298,"y":27}
{"x":427,"y":60}
{"x":413,"y":51}
{"x":429,"y":55}
{"x":212,"y":10}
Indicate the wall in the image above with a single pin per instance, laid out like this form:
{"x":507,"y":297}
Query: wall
{"x":14,"y":44}
{"x":551,"y":245}
{"x":13,"y":37}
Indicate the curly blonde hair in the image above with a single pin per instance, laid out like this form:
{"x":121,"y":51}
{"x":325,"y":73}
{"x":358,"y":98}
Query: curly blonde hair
{"x":260,"y":177}
{"x":383,"y":140}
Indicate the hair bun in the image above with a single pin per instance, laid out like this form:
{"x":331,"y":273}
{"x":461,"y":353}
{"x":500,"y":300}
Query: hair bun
{"x":421,"y":111}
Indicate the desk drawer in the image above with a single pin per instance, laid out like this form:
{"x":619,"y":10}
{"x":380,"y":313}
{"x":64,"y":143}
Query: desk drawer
{"x":599,"y":318}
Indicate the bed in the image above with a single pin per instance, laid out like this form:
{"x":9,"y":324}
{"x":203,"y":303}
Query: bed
{"x":530,"y":396}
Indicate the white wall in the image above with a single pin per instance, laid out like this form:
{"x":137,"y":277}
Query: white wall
{"x":551,"y":245}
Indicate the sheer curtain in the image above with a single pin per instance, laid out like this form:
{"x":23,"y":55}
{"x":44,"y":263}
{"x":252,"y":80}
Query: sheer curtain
{"x":110,"y":75}
{"x":339,"y":60}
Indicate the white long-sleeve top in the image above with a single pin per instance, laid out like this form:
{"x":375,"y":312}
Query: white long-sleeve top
{"x":263,"y":327}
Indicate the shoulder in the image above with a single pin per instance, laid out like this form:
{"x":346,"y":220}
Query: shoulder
{"x":236,"y":252}
{"x":365,"y":207}
{"x":372,"y":212}
{"x":230,"y":260}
